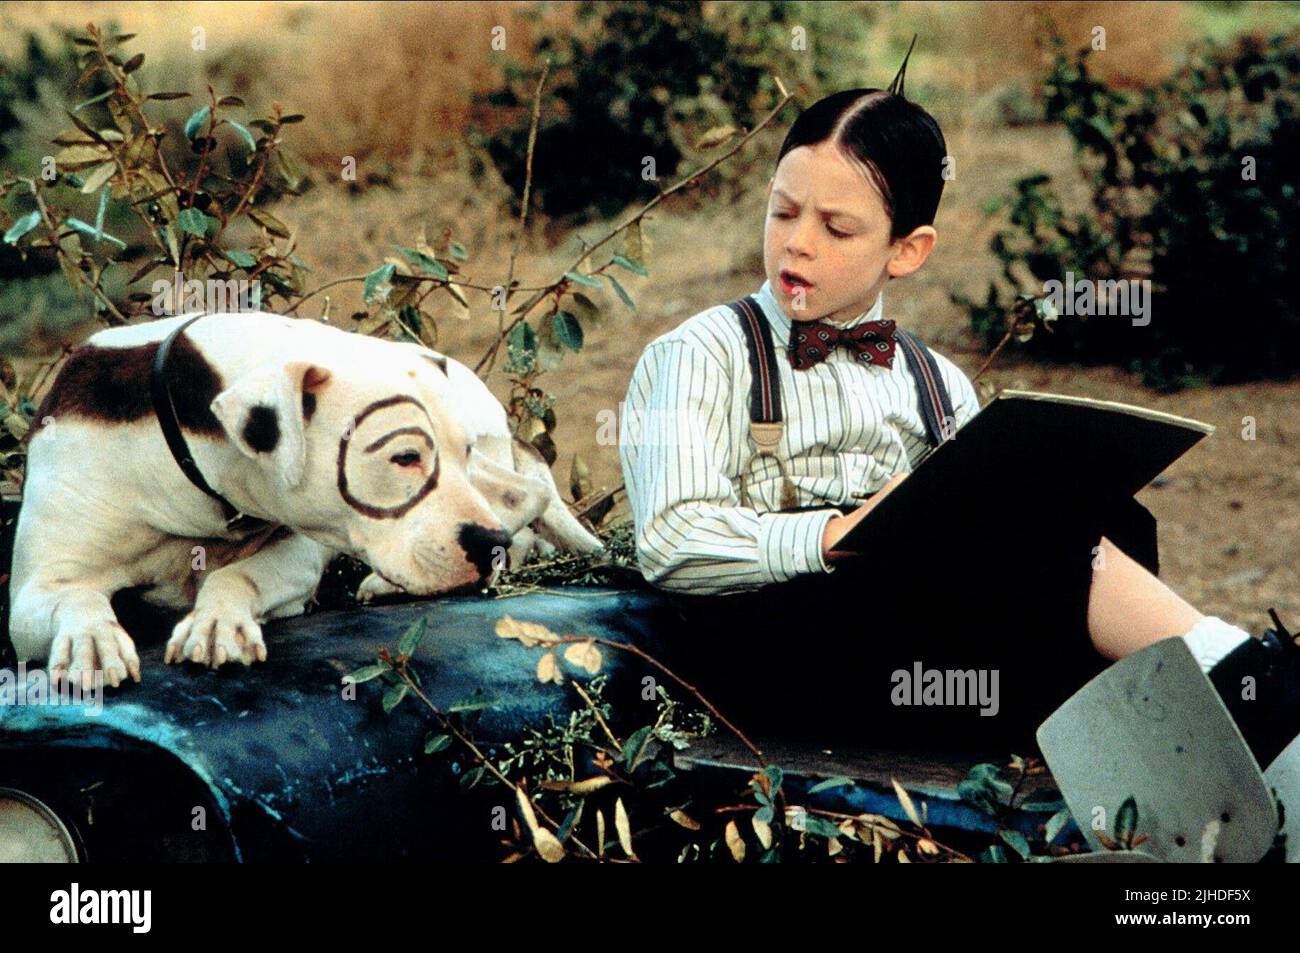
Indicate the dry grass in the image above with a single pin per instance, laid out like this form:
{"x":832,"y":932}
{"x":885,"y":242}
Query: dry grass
{"x":992,"y":43}
{"x":383,"y":81}
{"x":397,"y":82}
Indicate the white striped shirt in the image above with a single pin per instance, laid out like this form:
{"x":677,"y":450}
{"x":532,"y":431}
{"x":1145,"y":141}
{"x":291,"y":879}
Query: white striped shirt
{"x":684,"y":441}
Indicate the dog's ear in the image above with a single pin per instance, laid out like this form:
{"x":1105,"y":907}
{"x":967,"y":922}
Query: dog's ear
{"x":517,"y":500}
{"x":264,"y":414}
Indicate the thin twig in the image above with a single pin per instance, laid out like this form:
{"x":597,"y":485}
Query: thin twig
{"x":994,"y":353}
{"x":252,"y":188}
{"x":649,"y":206}
{"x":207,"y":148}
{"x":523,"y":211}
{"x":414,"y":279}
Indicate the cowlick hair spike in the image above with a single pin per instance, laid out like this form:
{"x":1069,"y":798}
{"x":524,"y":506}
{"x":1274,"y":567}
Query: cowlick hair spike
{"x":896,"y":87}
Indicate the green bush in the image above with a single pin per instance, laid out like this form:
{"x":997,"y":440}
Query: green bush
{"x":30,"y":78}
{"x":1193,"y":186}
{"x":637,"y":80}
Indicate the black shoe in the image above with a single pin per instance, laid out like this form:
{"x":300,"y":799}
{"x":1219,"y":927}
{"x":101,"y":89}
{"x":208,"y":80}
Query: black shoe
{"x":1269,"y":717}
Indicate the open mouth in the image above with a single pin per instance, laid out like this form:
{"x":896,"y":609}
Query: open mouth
{"x":792,"y":281}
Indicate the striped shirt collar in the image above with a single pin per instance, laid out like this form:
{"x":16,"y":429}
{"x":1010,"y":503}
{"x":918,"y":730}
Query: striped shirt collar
{"x":781,"y":324}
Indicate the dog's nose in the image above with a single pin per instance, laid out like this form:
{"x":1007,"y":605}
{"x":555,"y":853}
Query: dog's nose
{"x":482,"y":545}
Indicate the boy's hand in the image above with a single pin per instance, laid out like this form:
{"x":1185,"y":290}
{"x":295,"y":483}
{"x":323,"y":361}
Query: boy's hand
{"x":840,"y":526}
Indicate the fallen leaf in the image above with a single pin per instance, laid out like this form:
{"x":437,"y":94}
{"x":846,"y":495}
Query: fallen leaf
{"x":548,"y":670}
{"x":624,"y":827}
{"x":548,"y":845}
{"x":526,"y":809}
{"x":585,"y":656}
{"x":529,"y":633}
{"x":586,"y":786}
{"x":879,"y":822}
{"x":735,"y":843}
{"x":906,"y":800}
{"x":685,"y":820}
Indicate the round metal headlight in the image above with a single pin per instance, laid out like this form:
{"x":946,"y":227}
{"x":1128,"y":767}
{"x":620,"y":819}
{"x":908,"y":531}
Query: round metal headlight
{"x":30,"y":833}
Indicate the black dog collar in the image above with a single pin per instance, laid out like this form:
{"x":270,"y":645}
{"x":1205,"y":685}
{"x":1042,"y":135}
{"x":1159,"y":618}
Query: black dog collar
{"x":171,"y":428}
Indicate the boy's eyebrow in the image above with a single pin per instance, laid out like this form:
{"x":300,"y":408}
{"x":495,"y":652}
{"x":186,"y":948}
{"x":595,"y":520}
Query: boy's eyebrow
{"x":825,"y":211}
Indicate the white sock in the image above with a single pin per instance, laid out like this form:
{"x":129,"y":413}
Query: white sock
{"x":1211,"y":639}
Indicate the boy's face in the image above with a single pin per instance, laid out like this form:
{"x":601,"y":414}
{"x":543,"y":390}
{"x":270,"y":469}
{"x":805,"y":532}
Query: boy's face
{"x":827,"y":223}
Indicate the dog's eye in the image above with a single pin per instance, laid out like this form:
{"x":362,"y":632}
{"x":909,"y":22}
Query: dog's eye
{"x":407,"y":458}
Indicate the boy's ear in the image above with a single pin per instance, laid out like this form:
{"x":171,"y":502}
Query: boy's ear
{"x":911,"y":251}
{"x":263,"y":413}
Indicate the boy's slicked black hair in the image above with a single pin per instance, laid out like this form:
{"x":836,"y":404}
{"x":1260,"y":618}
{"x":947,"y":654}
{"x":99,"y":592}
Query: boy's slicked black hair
{"x":897,"y":141}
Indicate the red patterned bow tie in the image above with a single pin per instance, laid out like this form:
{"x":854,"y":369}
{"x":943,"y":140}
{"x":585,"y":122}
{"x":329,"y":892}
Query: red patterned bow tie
{"x":813,"y":341}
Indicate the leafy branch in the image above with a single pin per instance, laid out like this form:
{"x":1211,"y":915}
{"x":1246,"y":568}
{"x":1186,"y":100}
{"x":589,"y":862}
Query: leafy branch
{"x":185,"y":215}
{"x":619,"y":763}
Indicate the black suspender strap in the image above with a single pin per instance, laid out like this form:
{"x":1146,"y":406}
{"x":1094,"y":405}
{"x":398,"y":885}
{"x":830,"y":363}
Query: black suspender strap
{"x":765,"y":394}
{"x":931,"y":394}
{"x":766,"y":425}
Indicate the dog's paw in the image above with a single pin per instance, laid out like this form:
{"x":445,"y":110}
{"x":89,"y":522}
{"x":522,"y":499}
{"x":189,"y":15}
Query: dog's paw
{"x":375,"y":586}
{"x":214,"y":635}
{"x":76,"y":655}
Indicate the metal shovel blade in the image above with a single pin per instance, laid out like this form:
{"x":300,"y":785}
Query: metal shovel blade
{"x":1152,"y":726}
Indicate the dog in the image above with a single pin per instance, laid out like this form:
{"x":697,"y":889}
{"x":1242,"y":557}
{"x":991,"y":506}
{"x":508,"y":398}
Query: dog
{"x":223,"y":476}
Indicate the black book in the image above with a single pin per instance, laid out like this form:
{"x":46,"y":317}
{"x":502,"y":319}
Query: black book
{"x":1026,"y":456}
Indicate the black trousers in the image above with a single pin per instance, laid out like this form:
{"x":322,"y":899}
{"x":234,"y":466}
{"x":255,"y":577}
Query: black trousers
{"x":850,"y":656}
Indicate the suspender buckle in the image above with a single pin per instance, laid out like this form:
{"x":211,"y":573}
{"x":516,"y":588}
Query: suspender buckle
{"x":767,"y":435}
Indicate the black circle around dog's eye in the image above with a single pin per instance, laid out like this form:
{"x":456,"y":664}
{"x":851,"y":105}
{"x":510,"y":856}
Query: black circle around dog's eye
{"x":407,"y":458}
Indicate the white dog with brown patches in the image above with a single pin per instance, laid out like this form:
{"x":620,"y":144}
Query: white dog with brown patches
{"x":224,"y":480}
